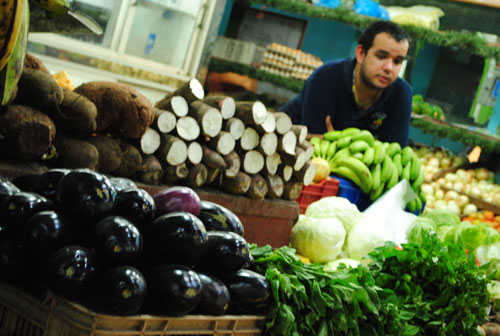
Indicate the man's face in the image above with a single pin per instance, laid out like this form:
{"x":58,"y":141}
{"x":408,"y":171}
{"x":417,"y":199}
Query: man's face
{"x":379,"y":67}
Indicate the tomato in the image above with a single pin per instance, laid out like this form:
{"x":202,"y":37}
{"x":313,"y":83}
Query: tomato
{"x":489,"y":215}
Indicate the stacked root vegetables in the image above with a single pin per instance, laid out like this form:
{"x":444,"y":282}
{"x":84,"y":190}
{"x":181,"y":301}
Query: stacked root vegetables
{"x":186,"y":138}
{"x":372,"y":165}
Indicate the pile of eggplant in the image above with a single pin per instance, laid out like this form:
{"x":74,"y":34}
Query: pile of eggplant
{"x":103,"y":242}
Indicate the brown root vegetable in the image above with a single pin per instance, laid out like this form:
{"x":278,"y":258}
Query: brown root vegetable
{"x":191,"y":91}
{"x":268,"y":143}
{"x":165,"y":121}
{"x":225,"y":104}
{"x":175,"y":173}
{"x":176,"y":104}
{"x":285,"y":171}
{"x":213,"y":159}
{"x":292,"y":190}
{"x":234,"y":126}
{"x":197,"y":176}
{"x":491,"y":329}
{"x":172,"y":150}
{"x":213,"y":174}
{"x":283,"y":122}
{"x":194,"y":152}
{"x":251,"y":113}
{"x":233,"y":164}
{"x":38,"y":89}
{"x":250,"y":139}
{"x":110,"y":153}
{"x":119,"y":108}
{"x":253,"y":162}
{"x":223,"y":143}
{"x":76,"y":113}
{"x":275,"y":185}
{"x":239,"y":184}
{"x":272,"y":164}
{"x":150,"y":141}
{"x":25,"y":132}
{"x":308,"y":148}
{"x":209,"y":118}
{"x":187,"y":128}
{"x":300,"y":132}
{"x":287,"y":143}
{"x":75,"y":153}
{"x":258,"y":187}
{"x":296,"y":161}
{"x":32,"y":62}
{"x":131,"y":160}
{"x":151,"y":171}
{"x":306,"y":173}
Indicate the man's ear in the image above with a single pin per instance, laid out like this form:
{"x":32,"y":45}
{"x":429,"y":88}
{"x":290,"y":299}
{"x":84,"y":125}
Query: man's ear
{"x":360,"y":53}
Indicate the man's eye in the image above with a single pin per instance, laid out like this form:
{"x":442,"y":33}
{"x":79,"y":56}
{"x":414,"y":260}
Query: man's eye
{"x":380,"y":57}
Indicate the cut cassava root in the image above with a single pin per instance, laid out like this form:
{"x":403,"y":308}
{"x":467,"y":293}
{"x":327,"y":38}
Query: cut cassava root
{"x":223,"y":143}
{"x":209,"y":118}
{"x":225,"y":104}
{"x":172,"y":150}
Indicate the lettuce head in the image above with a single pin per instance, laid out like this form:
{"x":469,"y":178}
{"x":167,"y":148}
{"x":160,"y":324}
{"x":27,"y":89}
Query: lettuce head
{"x":339,"y":208}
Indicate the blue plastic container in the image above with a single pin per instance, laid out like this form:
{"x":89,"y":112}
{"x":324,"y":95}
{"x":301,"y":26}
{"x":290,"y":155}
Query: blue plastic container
{"x":349,"y":190}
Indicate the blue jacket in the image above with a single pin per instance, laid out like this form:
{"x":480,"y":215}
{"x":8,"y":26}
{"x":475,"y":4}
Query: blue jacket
{"x":328,"y":91}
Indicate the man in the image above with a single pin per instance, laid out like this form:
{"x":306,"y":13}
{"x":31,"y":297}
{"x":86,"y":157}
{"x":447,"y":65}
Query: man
{"x":363,"y":92}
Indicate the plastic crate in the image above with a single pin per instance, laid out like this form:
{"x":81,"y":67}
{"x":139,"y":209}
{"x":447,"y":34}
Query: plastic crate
{"x":316,"y":191}
{"x":23,"y":315}
{"x":349,"y":190}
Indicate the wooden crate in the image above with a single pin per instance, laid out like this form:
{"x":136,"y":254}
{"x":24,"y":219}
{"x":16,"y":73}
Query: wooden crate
{"x":23,"y":315}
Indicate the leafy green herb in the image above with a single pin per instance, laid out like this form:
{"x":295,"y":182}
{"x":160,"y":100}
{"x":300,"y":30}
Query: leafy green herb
{"x":436,"y":283}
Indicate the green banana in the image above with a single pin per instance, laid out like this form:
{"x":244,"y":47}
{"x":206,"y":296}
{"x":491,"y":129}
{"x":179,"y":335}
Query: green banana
{"x":396,"y":159}
{"x":349,"y":131}
{"x":418,"y":181}
{"x":393,"y":149}
{"x":324,"y":144}
{"x":379,"y":154}
{"x":332,"y":148}
{"x":347,"y":173}
{"x":418,"y":204}
{"x":415,"y":167}
{"x":387,"y":167}
{"x":360,"y":169}
{"x":317,"y":149}
{"x":340,"y":154}
{"x":315,"y":140}
{"x":376,"y":193}
{"x":358,"y":146}
{"x":358,"y":156}
{"x":364,"y":135}
{"x":422,"y":196}
{"x":376,"y":176}
{"x":406,"y":172}
{"x":406,"y":155}
{"x":412,"y":205}
{"x":368,"y":156}
{"x":394,"y":178}
{"x":344,"y":141}
{"x":332,"y":135}
{"x":54,"y":6}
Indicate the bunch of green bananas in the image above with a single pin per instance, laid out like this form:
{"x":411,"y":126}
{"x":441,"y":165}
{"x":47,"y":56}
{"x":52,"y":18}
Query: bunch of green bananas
{"x":372,"y":165}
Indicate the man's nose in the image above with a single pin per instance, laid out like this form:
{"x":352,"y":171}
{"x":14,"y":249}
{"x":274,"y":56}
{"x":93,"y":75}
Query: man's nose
{"x":389,"y":65}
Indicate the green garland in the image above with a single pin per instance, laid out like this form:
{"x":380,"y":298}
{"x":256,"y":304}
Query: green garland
{"x":457,"y":134}
{"x":464,"y":40}
{"x":243,"y":69}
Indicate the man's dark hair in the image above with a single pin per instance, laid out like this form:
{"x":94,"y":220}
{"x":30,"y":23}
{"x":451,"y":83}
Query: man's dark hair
{"x":397,"y":33}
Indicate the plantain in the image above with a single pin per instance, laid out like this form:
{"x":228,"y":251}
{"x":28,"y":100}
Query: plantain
{"x":358,"y":156}
{"x":368,"y":156}
{"x":11,"y":21}
{"x":344,"y":142}
{"x":396,"y":159}
{"x":317,"y":149}
{"x":393,"y":149}
{"x":387,"y":167}
{"x":347,"y":173}
{"x":323,"y":145}
{"x":406,"y":172}
{"x":360,"y":169}
{"x":55,"y":6}
{"x":412,"y":205}
{"x":364,"y":135}
{"x":332,"y":135}
{"x":415,"y":167}
{"x":406,"y":155}
{"x":332,"y":149}
{"x":376,"y":176}
{"x":394,"y":178}
{"x":379,"y":154}
{"x":315,"y":140}
{"x":349,"y":131}
{"x":418,"y":181}
{"x":418,"y":204}
{"x":376,"y":193}
{"x":358,"y":146}
{"x":341,"y":154}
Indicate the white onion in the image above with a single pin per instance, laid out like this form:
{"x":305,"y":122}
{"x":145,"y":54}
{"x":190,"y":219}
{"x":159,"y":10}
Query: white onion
{"x":439,"y":194}
{"x":445,"y":162}
{"x":458,"y":186}
{"x":448,"y":185}
{"x":475,"y":192}
{"x":453,"y":207}
{"x":469,"y":208}
{"x":450,"y":177}
{"x":427,"y":189}
{"x":434,"y":162}
{"x":482,"y":174}
{"x":441,"y":181}
{"x":440,"y":204}
{"x":462,"y":200}
{"x":450,"y":195}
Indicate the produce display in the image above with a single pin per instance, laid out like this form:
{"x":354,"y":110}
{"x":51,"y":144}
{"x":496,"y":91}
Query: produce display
{"x":185,"y":138}
{"x":419,"y":106}
{"x":373,"y":166}
{"x":434,"y":160}
{"x":118,"y":250}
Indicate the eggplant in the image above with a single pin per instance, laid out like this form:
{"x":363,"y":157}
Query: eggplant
{"x":177,"y":238}
{"x":71,"y":270}
{"x":250,"y":291}
{"x":46,"y":183}
{"x":176,"y":199}
{"x":16,"y":209}
{"x":121,"y":183}
{"x":116,"y":241}
{"x":46,"y":231}
{"x":7,"y":188}
{"x":124,"y":290}
{"x":26,"y":182}
{"x":215,"y":217}
{"x":225,"y":252}
{"x":215,"y":297}
{"x":137,"y":205}
{"x":86,"y":195}
{"x":174,"y":289}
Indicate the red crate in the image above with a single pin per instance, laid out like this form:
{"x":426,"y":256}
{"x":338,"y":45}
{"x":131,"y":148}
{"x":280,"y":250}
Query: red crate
{"x":316,"y":191}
